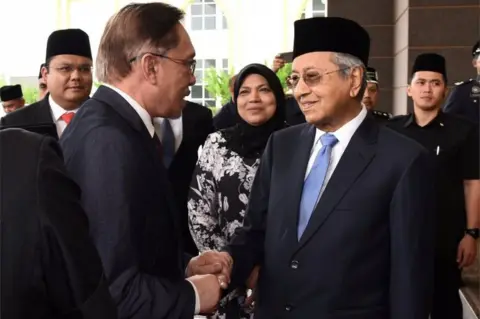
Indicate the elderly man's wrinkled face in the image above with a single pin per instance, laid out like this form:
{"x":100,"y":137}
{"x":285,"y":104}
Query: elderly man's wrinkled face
{"x":322,"y":93}
{"x":13,"y":105}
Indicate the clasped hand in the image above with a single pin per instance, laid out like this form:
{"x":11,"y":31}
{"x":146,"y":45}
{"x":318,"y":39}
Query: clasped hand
{"x":210,"y":273}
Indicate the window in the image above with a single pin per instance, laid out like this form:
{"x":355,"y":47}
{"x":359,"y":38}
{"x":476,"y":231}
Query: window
{"x":315,"y":8}
{"x":199,"y":93}
{"x":206,"y":15}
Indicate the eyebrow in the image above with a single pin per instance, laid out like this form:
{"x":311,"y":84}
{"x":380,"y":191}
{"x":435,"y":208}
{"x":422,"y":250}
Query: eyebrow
{"x":258,"y":86}
{"x":305,"y":69}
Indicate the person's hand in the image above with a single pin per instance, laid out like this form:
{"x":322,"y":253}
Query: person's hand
{"x":467,"y":251}
{"x":253,"y":278}
{"x":250,"y":300}
{"x":211,"y":262}
{"x":278,"y":63}
{"x":209,"y":291}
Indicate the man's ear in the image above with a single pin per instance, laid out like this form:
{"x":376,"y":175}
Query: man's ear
{"x":356,"y":80}
{"x":409,"y":93}
{"x":149,"y":68}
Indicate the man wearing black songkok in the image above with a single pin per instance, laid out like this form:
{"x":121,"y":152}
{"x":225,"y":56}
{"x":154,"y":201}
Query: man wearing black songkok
{"x":453,"y":144}
{"x":68,"y":75}
{"x":11,"y":97}
{"x":340,"y":217}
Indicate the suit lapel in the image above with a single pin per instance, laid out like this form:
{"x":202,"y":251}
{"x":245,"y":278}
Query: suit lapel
{"x":357,"y":156}
{"x":125,"y":110}
{"x":43,"y":113}
{"x":294,"y":181}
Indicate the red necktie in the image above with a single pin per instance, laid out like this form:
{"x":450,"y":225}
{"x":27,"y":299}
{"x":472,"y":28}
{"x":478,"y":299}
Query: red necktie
{"x":67,"y":117}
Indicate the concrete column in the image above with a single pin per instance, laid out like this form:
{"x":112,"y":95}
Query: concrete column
{"x":376,"y":17}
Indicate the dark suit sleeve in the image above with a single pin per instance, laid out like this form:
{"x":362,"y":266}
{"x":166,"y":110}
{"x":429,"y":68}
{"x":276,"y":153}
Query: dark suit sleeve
{"x":105,"y":168}
{"x":73,"y":271}
{"x":247,"y":248}
{"x":225,"y":118}
{"x":412,"y":241}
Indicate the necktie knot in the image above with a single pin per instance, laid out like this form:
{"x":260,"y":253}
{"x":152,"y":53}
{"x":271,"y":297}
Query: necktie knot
{"x":328,"y":140}
{"x":67,"y":117}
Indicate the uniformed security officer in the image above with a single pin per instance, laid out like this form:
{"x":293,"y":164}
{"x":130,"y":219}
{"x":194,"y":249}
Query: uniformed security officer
{"x":454,"y":145}
{"x":12,"y":97}
{"x":464,"y":100}
{"x":370,"y":97}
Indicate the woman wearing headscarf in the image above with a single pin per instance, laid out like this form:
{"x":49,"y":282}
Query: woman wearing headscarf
{"x":225,"y":170}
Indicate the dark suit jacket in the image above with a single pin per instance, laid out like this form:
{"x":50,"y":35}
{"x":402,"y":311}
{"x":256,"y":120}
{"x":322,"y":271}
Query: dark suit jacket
{"x":367,"y":252}
{"x":49,"y":266}
{"x":129,"y":203}
{"x":227,"y":116}
{"x":197,"y":124}
{"x":36,"y":118}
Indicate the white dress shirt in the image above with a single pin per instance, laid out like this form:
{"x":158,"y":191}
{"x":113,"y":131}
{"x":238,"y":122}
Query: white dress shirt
{"x":343,"y":135}
{"x":57,"y":112}
{"x":147,"y":120}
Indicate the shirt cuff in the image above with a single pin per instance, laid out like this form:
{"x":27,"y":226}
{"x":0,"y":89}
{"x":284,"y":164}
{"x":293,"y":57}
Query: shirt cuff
{"x":197,"y":298}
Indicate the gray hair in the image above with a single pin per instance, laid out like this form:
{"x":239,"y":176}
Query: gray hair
{"x":346,"y":63}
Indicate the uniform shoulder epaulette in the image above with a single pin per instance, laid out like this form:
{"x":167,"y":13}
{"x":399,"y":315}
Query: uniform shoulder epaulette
{"x":382,"y":114}
{"x":463,"y":82}
{"x":397,"y":117}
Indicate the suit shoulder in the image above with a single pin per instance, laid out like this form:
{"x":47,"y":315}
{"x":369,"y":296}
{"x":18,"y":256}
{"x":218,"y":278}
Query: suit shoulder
{"x":291,"y":130}
{"x":21,"y":116}
{"x":463,"y":83}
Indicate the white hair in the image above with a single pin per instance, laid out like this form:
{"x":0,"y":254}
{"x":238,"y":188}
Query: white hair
{"x":346,"y":63}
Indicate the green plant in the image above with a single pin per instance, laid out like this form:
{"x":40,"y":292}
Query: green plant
{"x":216,"y":84}
{"x":30,"y":94}
{"x":283,"y":73}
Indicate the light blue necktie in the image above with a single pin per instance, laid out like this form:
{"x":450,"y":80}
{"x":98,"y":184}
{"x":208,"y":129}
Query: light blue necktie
{"x":168,"y":142}
{"x":314,"y":182}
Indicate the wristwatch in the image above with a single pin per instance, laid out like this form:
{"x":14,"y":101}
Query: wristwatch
{"x":474,"y":232}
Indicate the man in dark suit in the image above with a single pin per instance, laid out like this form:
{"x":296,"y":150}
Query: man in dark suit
{"x":181,"y":138}
{"x":340,"y":216}
{"x":50,"y":268}
{"x":11,"y":97}
{"x":68,"y":75}
{"x":112,"y":152}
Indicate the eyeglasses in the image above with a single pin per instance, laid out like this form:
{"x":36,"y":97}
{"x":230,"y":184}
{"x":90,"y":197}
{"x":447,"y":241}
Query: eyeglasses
{"x":190,"y":63}
{"x":69,"y":69}
{"x":311,"y":77}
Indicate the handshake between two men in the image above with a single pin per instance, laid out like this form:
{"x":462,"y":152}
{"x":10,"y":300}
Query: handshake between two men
{"x":210,"y":273}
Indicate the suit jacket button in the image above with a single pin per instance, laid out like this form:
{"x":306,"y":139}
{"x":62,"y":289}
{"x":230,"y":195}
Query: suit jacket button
{"x":294,"y":264}
{"x":288,"y":308}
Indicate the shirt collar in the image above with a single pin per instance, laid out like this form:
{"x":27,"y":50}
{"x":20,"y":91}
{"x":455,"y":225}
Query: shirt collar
{"x":146,"y":118}
{"x":57,"y":110}
{"x":437,"y":120}
{"x":345,"y":133}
